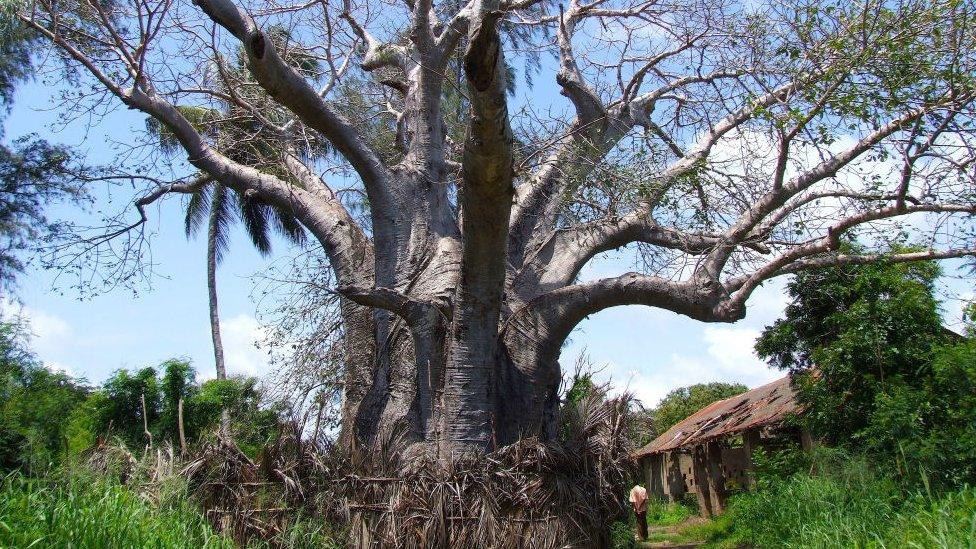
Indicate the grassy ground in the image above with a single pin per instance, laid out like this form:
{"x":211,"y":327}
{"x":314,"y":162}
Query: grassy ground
{"x":850,"y":508}
{"x":82,"y":511}
{"x":79,"y":509}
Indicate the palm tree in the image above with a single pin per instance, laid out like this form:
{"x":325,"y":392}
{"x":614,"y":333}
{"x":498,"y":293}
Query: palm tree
{"x":215,"y":204}
{"x":240,"y":137}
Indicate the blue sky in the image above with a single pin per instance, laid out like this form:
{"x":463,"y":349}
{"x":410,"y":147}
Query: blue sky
{"x":644,"y":350}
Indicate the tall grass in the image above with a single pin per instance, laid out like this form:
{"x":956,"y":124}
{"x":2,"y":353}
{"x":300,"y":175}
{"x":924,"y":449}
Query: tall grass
{"x":85,"y":511}
{"x":949,"y":521}
{"x":848,"y":505}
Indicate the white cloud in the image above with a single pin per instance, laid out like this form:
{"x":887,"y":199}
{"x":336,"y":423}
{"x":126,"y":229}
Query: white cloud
{"x":727,"y":355}
{"x":241,"y":335}
{"x":49,"y":332}
{"x":47,"y":328}
{"x":57,"y":367}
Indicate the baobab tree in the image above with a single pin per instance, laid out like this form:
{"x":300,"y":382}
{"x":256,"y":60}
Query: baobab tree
{"x":722,"y":143}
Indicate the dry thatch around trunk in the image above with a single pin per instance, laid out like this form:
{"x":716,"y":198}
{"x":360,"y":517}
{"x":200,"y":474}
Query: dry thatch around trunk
{"x":561,"y":493}
{"x":259,"y":499}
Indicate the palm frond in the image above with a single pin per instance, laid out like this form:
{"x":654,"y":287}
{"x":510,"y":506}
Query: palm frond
{"x":197,"y":209}
{"x":254,"y":214}
{"x":287,"y":225}
{"x":220,"y":220}
{"x":201,"y":118}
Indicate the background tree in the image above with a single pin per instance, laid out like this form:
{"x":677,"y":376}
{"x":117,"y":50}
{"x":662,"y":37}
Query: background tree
{"x":33,"y":172}
{"x":875,"y":368}
{"x":35,"y":404}
{"x":681,"y":403}
{"x":725,"y":143}
{"x":864,"y":328}
{"x":128,"y":403}
{"x":237,"y":135}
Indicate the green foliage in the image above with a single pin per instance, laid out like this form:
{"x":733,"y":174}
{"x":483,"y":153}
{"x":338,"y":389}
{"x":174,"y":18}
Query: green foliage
{"x":48,"y":416}
{"x":117,"y":407}
{"x":33,"y":174}
{"x":34,"y":405}
{"x":929,"y":427}
{"x":80,"y":508}
{"x":876,"y":369}
{"x":86,"y":511}
{"x":252,"y":425}
{"x":581,"y":387}
{"x":15,"y":49}
{"x":847,"y":504}
{"x":121,"y":410}
{"x":662,"y":513}
{"x":681,"y":403}
{"x":622,"y":533}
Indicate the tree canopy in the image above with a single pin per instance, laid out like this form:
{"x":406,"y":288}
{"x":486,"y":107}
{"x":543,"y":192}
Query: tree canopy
{"x":33,"y":173}
{"x":723,"y":143}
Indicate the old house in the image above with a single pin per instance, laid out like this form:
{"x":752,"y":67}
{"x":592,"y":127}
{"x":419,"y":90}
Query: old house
{"x":710,"y":452}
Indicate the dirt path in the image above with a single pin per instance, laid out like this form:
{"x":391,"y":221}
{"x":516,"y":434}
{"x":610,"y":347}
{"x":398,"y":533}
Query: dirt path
{"x":663,"y":536}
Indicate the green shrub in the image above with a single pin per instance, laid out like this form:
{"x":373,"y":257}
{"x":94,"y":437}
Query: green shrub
{"x":622,"y":533}
{"x":35,"y":404}
{"x":876,"y":370}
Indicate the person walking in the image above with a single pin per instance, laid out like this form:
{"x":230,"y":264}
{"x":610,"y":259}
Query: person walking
{"x":638,"y":499}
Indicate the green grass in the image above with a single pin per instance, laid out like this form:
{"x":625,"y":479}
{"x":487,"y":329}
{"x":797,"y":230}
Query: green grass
{"x":852,"y":507}
{"x":846,"y":503}
{"x":946,"y":522}
{"x":662,"y":513}
{"x":85,"y":511}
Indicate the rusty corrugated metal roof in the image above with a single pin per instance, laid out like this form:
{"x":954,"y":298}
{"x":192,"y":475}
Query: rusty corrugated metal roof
{"x":761,"y":407}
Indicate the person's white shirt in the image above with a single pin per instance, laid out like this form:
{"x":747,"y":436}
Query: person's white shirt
{"x":638,"y":498}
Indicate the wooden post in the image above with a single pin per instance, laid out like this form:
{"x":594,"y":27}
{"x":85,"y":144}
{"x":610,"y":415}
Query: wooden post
{"x":751,"y":441}
{"x":700,"y":473}
{"x":807,"y":441}
{"x":145,"y":420}
{"x":179,"y":424}
{"x":716,"y":478}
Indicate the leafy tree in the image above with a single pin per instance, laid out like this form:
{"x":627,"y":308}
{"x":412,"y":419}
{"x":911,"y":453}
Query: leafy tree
{"x":252,"y":423}
{"x":16,"y":44}
{"x":856,"y":331}
{"x":877,"y":371}
{"x":33,"y":172}
{"x":117,"y":407}
{"x":35,"y":405}
{"x":237,"y":134}
{"x":580,"y":387}
{"x":177,"y":383}
{"x":121,"y":410}
{"x":681,"y":403}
